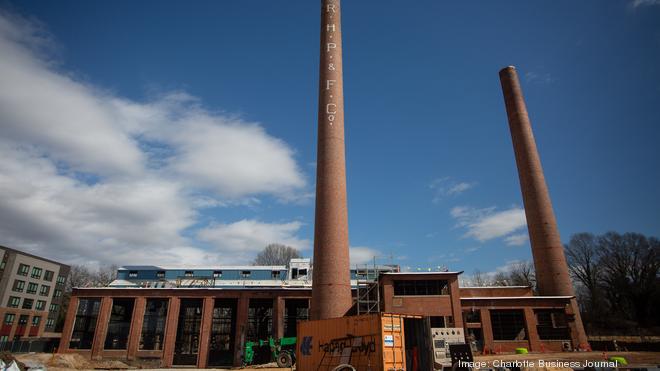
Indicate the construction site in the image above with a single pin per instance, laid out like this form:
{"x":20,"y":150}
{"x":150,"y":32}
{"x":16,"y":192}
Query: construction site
{"x":324,"y":314}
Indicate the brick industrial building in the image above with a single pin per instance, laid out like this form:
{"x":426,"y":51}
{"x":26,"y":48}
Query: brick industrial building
{"x":31,"y":291}
{"x":204,"y":316}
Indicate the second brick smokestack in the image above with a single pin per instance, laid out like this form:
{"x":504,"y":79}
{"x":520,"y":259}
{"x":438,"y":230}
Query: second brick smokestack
{"x":331,"y":285}
{"x":551,"y":269}
{"x":552,"y":276}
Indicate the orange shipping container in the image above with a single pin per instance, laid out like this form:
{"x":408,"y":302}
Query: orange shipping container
{"x":369,"y":342}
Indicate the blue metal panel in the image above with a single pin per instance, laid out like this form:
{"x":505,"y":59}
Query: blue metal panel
{"x":149,"y":273}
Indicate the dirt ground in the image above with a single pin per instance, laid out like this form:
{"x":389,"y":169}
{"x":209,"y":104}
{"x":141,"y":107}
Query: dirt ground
{"x":59,"y":362}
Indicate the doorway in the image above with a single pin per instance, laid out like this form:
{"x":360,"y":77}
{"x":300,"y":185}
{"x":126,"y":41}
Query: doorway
{"x":186,"y":347}
{"x":223,"y":333}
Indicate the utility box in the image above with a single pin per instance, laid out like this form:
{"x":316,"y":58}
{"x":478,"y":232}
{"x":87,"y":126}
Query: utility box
{"x":443,"y":337}
{"x":370,"y":342}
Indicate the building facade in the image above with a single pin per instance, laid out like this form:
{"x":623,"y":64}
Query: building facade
{"x":203,"y":317}
{"x":31,"y":294}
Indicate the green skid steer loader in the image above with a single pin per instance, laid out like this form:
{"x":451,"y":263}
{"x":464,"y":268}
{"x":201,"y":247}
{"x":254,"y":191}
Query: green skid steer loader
{"x":282,"y":351}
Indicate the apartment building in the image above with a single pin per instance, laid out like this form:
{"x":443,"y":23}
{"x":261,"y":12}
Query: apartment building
{"x":31,"y":293}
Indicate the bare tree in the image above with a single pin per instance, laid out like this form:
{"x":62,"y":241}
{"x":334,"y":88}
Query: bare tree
{"x":522,"y":274}
{"x":79,"y":276}
{"x":479,"y":279}
{"x":105,"y":275}
{"x":276,"y":254}
{"x":631,"y":263}
{"x":501,"y":279}
{"x":582,"y":254}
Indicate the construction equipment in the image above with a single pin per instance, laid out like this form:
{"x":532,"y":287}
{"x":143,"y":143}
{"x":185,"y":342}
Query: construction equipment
{"x":281,"y":350}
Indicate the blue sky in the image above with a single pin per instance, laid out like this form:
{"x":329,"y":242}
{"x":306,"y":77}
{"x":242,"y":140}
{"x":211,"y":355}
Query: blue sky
{"x":185,"y":132}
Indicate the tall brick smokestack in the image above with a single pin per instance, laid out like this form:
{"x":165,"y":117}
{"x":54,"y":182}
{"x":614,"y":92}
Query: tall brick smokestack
{"x":552,"y":274}
{"x":331,"y":285}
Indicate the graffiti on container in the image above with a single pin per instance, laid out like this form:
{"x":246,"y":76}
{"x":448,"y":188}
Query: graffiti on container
{"x":358,"y":345}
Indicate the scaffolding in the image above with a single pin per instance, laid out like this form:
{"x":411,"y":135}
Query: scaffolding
{"x":188,"y":281}
{"x":368,"y":286}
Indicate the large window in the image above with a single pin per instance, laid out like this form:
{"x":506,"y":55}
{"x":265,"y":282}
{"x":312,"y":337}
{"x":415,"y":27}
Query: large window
{"x":551,"y":324}
{"x":421,"y":287}
{"x":32,"y":288}
{"x":61,"y":280}
{"x":28,"y":303}
{"x":48,"y":276}
{"x":153,"y":327}
{"x":19,"y":286}
{"x":13,"y":302}
{"x":260,"y":319}
{"x":36,"y":320}
{"x":119,"y":324}
{"x":85,"y":324}
{"x":41,"y":305}
{"x":23,"y":269}
{"x":9,"y":318}
{"x":221,"y":345}
{"x":36,"y":272}
{"x":508,"y":324}
{"x":294,"y":310}
{"x":23,"y":319}
{"x":186,"y":347}
{"x":45,"y":290}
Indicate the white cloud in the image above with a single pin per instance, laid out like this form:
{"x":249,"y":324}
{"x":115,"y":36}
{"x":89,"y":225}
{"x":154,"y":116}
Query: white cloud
{"x":487,"y":224}
{"x":517,"y":239}
{"x":539,"y":77}
{"x":89,"y":176}
{"x":447,"y":187}
{"x":243,"y":239}
{"x":638,"y":3}
{"x":479,"y":278}
{"x":70,"y":220}
{"x":362,"y":255}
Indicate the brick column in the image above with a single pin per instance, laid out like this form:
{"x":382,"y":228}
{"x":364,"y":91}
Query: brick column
{"x":207,"y":323}
{"x":28,"y":327}
{"x":532,"y":332}
{"x":170,"y":331}
{"x":241,"y":328}
{"x":101,"y":327}
{"x":487,"y":330}
{"x":136,"y":326}
{"x":69,"y":321}
{"x":278,"y":317}
{"x":455,"y":297}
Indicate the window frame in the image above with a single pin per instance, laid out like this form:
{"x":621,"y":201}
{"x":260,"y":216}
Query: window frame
{"x":12,"y":316}
{"x":11,"y":300}
{"x":17,"y":283}
{"x":36,"y":272}
{"x":23,"y":269}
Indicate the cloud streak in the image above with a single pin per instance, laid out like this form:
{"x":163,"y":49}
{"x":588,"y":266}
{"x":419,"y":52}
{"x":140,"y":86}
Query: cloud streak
{"x":487,"y":223}
{"x":447,"y":187}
